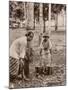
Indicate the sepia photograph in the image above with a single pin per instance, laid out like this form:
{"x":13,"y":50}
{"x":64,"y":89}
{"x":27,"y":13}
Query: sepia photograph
{"x":37,"y":44}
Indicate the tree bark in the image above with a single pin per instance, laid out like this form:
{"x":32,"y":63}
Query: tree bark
{"x":56,"y":22}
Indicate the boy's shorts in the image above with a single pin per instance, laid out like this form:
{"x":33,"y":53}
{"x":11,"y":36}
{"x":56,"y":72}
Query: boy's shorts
{"x":46,"y":59}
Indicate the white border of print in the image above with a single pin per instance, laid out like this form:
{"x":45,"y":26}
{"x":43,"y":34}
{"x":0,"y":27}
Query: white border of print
{"x":4,"y":43}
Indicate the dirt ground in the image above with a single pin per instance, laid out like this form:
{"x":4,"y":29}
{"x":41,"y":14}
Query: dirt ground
{"x":58,"y":62}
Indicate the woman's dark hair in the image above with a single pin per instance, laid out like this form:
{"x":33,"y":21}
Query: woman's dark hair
{"x":29,"y":34}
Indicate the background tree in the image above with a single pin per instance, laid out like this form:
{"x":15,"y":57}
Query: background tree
{"x":10,"y":9}
{"x":16,"y":10}
{"x":56,"y":9}
{"x":36,"y":11}
{"x":45,"y":14}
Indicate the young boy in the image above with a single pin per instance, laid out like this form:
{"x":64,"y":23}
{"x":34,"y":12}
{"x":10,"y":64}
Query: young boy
{"x":45,"y":52}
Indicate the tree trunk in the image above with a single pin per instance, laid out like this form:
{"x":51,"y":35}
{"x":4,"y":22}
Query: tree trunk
{"x":30,"y":17}
{"x":56,"y":22}
{"x":44,"y":26}
{"x":49,"y":18}
{"x":41,"y":18}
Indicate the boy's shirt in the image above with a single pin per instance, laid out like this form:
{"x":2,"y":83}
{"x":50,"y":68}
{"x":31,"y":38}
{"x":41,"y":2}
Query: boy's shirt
{"x":46,"y":46}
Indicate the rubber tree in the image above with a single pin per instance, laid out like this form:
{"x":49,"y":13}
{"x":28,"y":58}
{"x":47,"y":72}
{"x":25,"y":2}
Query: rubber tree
{"x":45,"y":14}
{"x":56,"y":9}
{"x":36,"y":12}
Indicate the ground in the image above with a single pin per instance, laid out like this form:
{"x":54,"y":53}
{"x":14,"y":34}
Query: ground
{"x":58,"y":62}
